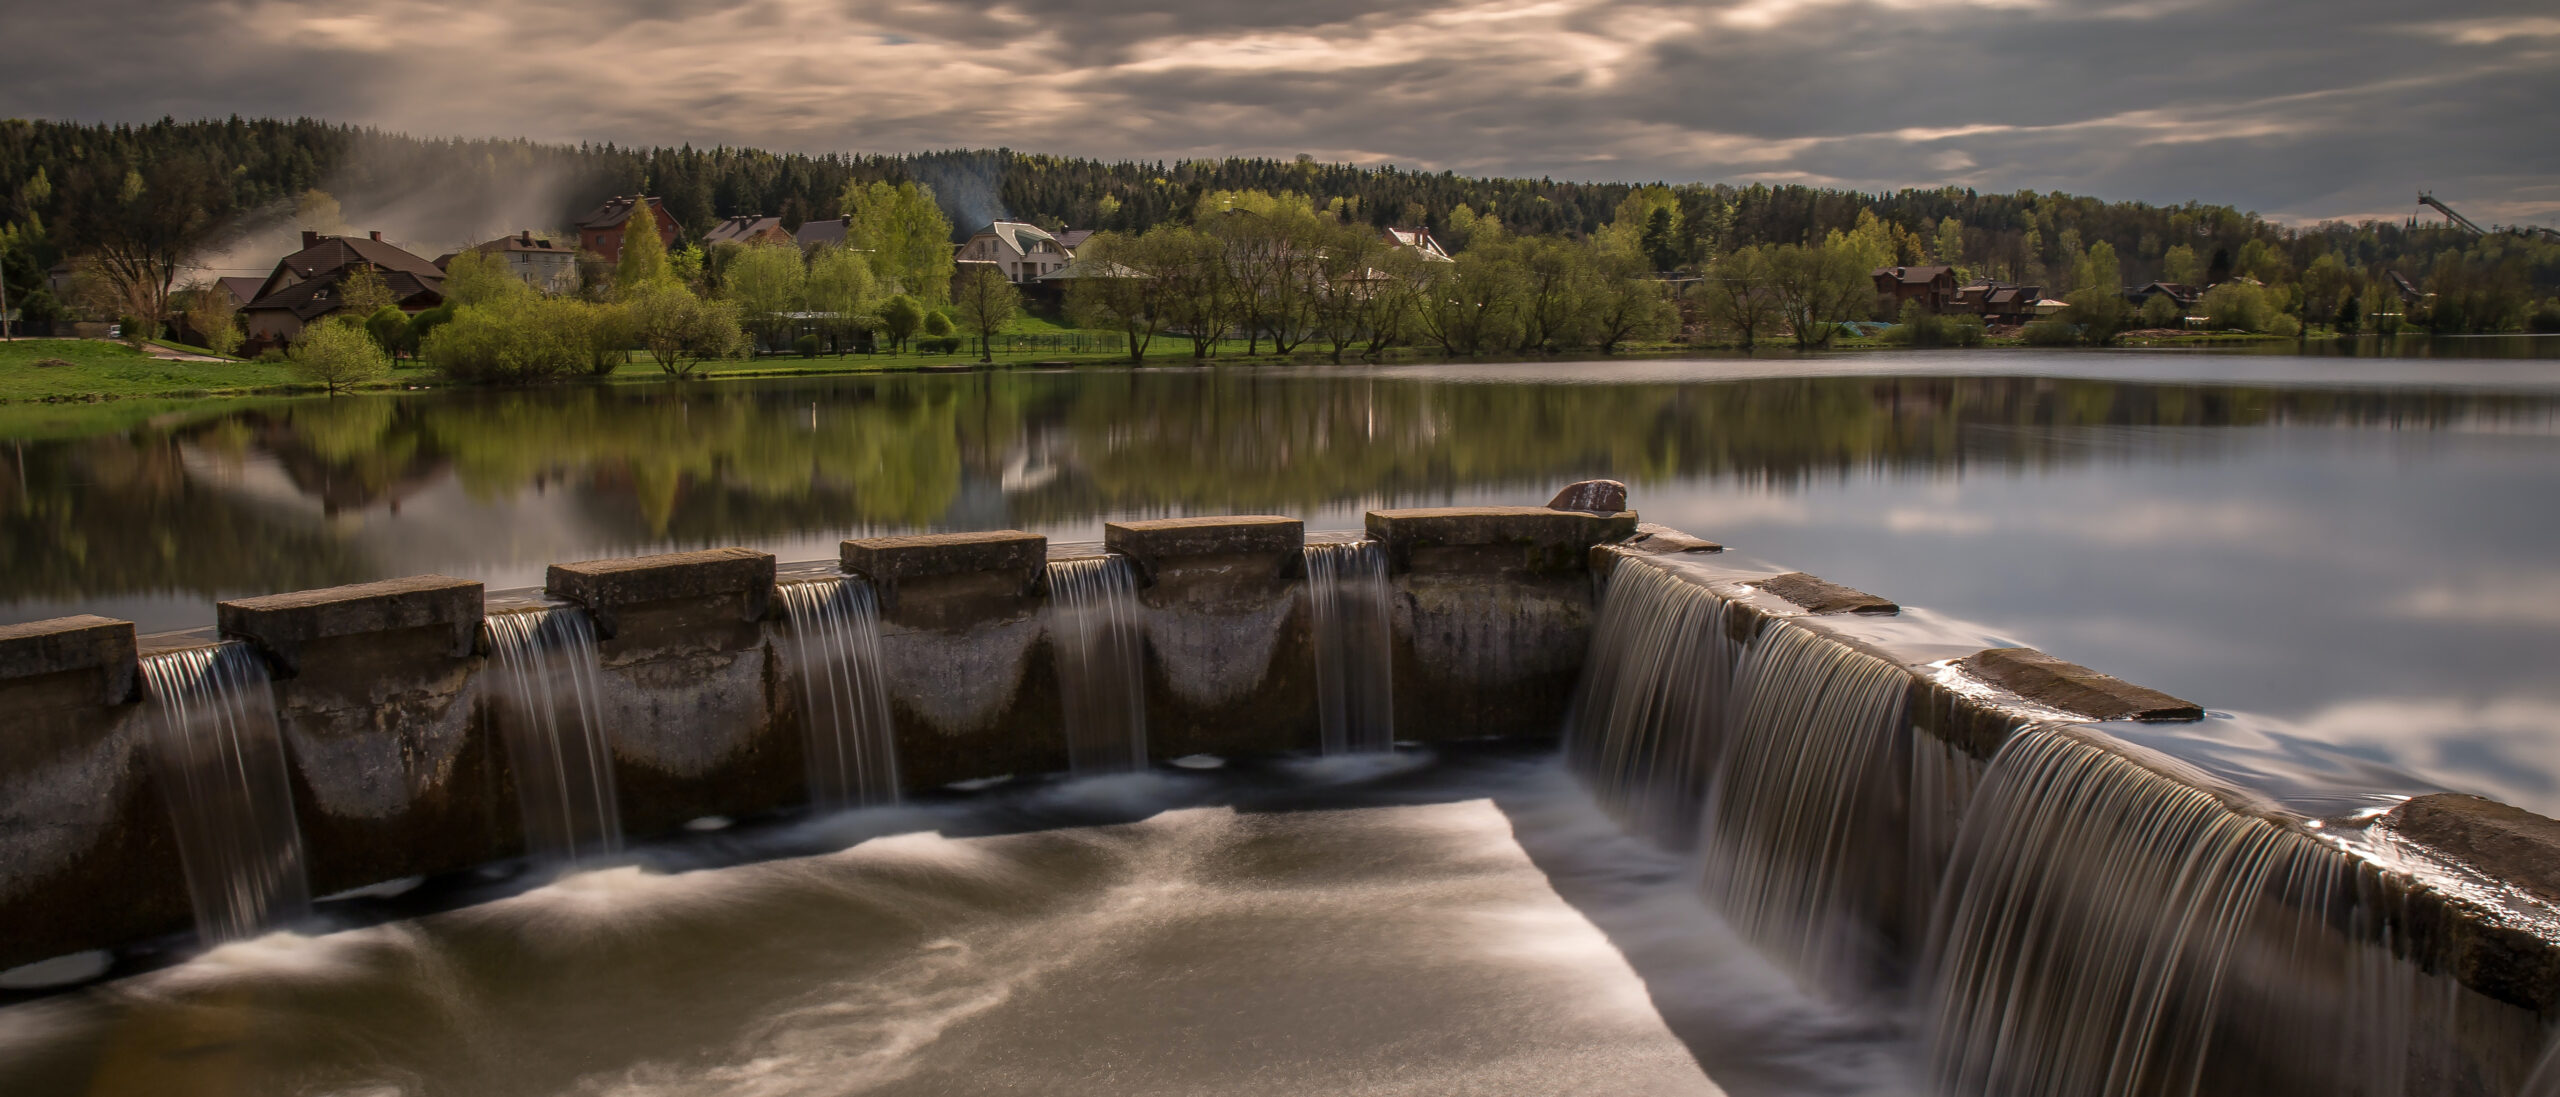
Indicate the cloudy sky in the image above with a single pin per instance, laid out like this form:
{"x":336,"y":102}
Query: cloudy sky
{"x":2299,"y":109}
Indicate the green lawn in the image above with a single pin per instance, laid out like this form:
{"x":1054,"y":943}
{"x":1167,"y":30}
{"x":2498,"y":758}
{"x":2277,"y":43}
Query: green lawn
{"x":105,"y":369}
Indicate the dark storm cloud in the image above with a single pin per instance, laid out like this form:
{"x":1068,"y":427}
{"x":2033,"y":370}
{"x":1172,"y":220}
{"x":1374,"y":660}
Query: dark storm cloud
{"x":2299,"y":109}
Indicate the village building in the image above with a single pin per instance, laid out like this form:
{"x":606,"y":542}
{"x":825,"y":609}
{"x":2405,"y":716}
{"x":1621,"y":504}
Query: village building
{"x":539,"y":261}
{"x":1999,"y":302}
{"x":1021,"y":252}
{"x":1933,"y":287}
{"x":2183,"y":294}
{"x":812,"y":235}
{"x":305,"y":285}
{"x":1419,"y":242}
{"x":748,"y":229}
{"x":601,"y":231}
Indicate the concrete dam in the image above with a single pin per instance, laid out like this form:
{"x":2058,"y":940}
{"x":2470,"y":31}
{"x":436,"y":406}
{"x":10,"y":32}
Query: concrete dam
{"x":2059,"y":879}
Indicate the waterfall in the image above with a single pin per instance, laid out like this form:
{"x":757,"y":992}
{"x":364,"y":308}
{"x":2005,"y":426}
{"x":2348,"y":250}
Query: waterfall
{"x":1355,"y":689}
{"x":1802,"y":833}
{"x":548,"y":715}
{"x":1100,"y":644}
{"x":852,"y":745}
{"x":221,"y":760}
{"x":1649,"y":715}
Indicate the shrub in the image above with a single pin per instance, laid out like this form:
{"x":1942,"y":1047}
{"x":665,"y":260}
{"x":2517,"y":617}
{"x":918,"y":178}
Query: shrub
{"x":2049,"y":333}
{"x":2162,"y":311}
{"x":1921,"y":328}
{"x":2238,"y":306}
{"x":938,"y":344}
{"x":938,"y":323}
{"x":807,"y":345}
{"x":2545,"y":319}
{"x":2285,"y":326}
{"x":337,"y":354}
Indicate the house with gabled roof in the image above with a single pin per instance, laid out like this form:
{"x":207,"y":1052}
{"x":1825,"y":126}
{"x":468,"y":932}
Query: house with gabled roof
{"x":1022,"y":252}
{"x":304,"y":287}
{"x":748,"y":228}
{"x":541,"y":262}
{"x":1934,"y":287}
{"x":812,"y":235}
{"x":601,"y":231}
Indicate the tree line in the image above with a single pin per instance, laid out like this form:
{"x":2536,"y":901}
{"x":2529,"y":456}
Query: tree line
{"x":135,"y":201}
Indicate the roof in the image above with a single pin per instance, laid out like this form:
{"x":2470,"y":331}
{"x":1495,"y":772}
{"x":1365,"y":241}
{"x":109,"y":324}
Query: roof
{"x":742,"y":228}
{"x":308,"y":300}
{"x":335,"y":253}
{"x":1419,"y":240}
{"x":1089,"y":268}
{"x":1914,"y":276}
{"x":617,"y":210}
{"x":1072,"y":239}
{"x":524,"y":241}
{"x":820,"y":233}
{"x":1014,"y":232}
{"x":243,"y":288}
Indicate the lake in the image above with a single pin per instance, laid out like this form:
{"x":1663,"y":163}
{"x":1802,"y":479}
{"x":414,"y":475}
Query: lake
{"x":2347,"y":551}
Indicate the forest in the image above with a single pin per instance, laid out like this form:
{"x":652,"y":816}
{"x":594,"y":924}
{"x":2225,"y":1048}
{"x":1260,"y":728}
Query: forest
{"x":151,"y":196}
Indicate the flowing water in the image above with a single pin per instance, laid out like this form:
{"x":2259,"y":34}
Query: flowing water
{"x":220,"y":758}
{"x":550,"y":716}
{"x":1648,"y":719}
{"x":852,"y":746}
{"x":1101,"y":648}
{"x":1355,"y":692}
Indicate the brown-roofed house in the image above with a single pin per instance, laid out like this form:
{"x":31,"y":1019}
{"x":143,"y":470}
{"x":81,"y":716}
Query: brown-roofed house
{"x":747,"y":229}
{"x":1999,"y":302}
{"x":1933,"y":287}
{"x":813,"y":235}
{"x":601,"y":231}
{"x":543,"y":263}
{"x":304,"y":286}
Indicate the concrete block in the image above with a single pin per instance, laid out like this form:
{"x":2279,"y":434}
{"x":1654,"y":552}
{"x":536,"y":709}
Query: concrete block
{"x":1149,"y":543}
{"x":1818,"y":595}
{"x":605,"y":586}
{"x":2500,"y":841}
{"x":886,"y":561}
{"x":2048,"y":681}
{"x":1534,"y":539}
{"x":284,"y":625}
{"x":66,"y":644}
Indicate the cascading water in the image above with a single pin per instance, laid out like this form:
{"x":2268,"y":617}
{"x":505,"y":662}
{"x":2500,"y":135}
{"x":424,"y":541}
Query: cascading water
{"x":1355,"y":692}
{"x":549,"y":717}
{"x":1093,"y":603}
{"x":220,"y":758}
{"x":852,"y":747}
{"x":1801,"y":835}
{"x":1649,"y":716}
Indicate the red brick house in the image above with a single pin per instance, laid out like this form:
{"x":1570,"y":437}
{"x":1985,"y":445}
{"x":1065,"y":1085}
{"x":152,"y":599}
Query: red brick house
{"x":601,"y":231}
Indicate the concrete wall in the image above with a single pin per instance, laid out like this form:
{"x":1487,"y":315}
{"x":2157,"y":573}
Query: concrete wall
{"x":386,"y":697}
{"x":2431,"y":921}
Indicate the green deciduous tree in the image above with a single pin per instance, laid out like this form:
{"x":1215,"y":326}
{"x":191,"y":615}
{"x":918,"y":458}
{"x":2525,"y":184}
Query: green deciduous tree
{"x":1117,"y":286}
{"x":1738,"y":296}
{"x":361,"y":293}
{"x":900,"y":317}
{"x":681,"y":330}
{"x":840,"y":289}
{"x":644,"y":254}
{"x":905,"y":235}
{"x":1817,"y":287}
{"x":986,"y":303}
{"x":765,"y":282}
{"x":337,"y":354}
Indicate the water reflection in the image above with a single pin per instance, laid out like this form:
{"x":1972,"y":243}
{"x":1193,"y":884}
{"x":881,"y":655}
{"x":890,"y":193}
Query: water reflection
{"x":2351,"y":543}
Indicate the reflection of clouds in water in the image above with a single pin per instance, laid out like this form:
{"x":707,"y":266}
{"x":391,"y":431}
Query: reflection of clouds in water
{"x":2506,"y":748}
{"x":2507,"y":597}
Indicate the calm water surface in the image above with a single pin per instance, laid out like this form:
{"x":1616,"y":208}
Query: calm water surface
{"x":2353,"y":551}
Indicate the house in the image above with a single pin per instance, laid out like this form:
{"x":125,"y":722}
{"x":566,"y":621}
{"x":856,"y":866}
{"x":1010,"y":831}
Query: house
{"x":1021,"y":252}
{"x":601,"y":231}
{"x":304,"y":285}
{"x":238,"y":290}
{"x":1419,"y":241}
{"x":1999,"y":302}
{"x":748,"y":229}
{"x":1933,"y":287}
{"x":541,"y":262}
{"x":813,"y":235}
{"x":2185,"y":295}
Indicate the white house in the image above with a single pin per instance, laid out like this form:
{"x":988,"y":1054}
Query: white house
{"x":1022,"y":252}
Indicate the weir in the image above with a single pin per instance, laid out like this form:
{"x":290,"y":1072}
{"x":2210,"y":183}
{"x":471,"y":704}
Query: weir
{"x":852,"y":747}
{"x":218,"y":754}
{"x":1893,"y":809}
{"x":1355,"y":680}
{"x":548,"y":716}
{"x":1097,"y":635}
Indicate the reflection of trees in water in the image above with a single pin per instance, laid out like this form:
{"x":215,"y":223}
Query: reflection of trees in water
{"x":120,"y":515}
{"x":739,"y":462}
